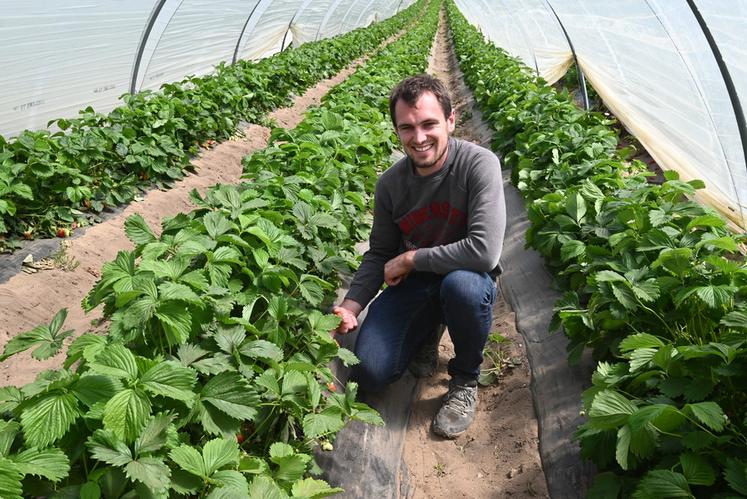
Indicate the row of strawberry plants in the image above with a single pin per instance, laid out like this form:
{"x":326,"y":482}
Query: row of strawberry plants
{"x":655,"y":284}
{"x":54,"y":181}
{"x":214,"y":329}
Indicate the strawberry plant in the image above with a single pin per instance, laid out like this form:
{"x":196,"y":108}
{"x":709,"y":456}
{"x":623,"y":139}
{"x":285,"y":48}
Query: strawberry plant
{"x":655,"y":285}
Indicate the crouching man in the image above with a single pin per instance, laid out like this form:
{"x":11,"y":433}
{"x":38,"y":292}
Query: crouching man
{"x":439,"y":220}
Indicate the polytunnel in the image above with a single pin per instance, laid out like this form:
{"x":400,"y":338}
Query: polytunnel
{"x":142,"y":44}
{"x":187,"y":190}
{"x":655,"y":68}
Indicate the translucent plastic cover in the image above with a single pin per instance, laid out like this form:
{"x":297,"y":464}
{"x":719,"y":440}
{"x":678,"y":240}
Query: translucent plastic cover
{"x":651,"y":63}
{"x":60,"y":57}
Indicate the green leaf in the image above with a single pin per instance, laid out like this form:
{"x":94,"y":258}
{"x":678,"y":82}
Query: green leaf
{"x":49,"y":418}
{"x":290,"y":468}
{"x":677,"y":260}
{"x":314,"y":489}
{"x":697,"y":469}
{"x":708,"y":413}
{"x":126,"y":414}
{"x":10,"y":480}
{"x":116,"y":361}
{"x":137,"y":230}
{"x":189,"y":459}
{"x":51,"y":463}
{"x":608,"y":276}
{"x":261,"y":349}
{"x":105,"y":446}
{"x":716,"y":296}
{"x":347,"y":357}
{"x":625,"y":296}
{"x":169,"y":379}
{"x":218,"y":453}
{"x":572,"y":249}
{"x":610,"y":408}
{"x":92,"y":389}
{"x":736,"y":319}
{"x":151,"y":471}
{"x":605,"y":486}
{"x":321,"y":323}
{"x":736,"y":475}
{"x":176,"y":321}
{"x":640,"y":340}
{"x":216,"y":224}
{"x":662,"y":483}
{"x":8,"y":432}
{"x":231,"y":394}
{"x":153,"y":436}
{"x":575,"y":206}
{"x":175,"y":291}
{"x":48,"y":339}
{"x":90,"y":490}
{"x":312,"y":292}
{"x":330,"y":420}
{"x":641,"y":357}
{"x":706,"y":221}
{"x":233,"y":485}
{"x":623,"y":446}
{"x":266,"y":488}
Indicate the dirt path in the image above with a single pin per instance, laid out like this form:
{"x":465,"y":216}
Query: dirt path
{"x":27,"y":300}
{"x":498,"y":456}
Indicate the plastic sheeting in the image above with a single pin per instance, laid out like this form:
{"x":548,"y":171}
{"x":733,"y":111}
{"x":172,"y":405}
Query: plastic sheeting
{"x":60,"y":57}
{"x":651,"y":64}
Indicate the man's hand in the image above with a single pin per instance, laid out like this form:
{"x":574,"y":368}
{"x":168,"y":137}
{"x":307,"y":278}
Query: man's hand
{"x":348,"y":311}
{"x":396,"y":269}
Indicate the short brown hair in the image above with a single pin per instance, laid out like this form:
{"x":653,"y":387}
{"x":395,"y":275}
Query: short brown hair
{"x":412,"y":88}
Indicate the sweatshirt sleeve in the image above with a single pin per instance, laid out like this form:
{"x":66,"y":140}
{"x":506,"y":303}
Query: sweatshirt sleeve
{"x":481,"y":249}
{"x":384,"y":245}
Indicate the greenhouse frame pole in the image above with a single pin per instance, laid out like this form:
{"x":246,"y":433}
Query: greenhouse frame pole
{"x":581,"y":79}
{"x":730,"y":88}
{"x":241,"y":35}
{"x":143,"y":41}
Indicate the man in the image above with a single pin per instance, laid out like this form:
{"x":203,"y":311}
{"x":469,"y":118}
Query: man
{"x":439,"y":220}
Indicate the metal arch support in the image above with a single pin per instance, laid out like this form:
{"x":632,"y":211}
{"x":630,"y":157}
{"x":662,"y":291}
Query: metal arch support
{"x":730,"y":88}
{"x":365,"y":9}
{"x":143,"y":41}
{"x":241,"y":35}
{"x":352,"y":4}
{"x":326,"y":19}
{"x":299,"y":11}
{"x":581,"y":79}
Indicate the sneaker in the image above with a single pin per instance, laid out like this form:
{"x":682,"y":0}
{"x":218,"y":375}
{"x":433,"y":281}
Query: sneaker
{"x":457,"y":411}
{"x":425,"y":362}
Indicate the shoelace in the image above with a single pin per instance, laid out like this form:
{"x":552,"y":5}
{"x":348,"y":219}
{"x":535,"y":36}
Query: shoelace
{"x":460,"y":398}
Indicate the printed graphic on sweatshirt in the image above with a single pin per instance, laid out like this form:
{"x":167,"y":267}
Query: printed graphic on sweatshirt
{"x":431,"y":225}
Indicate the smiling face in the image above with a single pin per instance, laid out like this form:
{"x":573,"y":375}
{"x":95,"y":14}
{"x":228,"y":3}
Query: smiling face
{"x":424,"y":132}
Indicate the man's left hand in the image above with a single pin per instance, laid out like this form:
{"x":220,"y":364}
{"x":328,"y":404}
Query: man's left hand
{"x":396,"y":269}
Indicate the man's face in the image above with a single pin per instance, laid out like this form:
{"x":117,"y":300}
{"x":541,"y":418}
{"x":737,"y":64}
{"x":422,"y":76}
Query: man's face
{"x":424,"y":132}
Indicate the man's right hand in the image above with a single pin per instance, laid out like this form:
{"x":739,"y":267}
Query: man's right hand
{"x":348,"y":311}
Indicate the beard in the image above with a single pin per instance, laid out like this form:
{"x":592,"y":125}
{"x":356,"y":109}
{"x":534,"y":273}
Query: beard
{"x":429,"y":163}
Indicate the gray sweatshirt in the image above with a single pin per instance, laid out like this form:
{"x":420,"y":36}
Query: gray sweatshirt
{"x":455,"y":218}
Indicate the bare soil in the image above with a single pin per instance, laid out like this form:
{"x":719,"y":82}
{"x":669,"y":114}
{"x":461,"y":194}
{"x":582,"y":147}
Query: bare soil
{"x":498,"y":457}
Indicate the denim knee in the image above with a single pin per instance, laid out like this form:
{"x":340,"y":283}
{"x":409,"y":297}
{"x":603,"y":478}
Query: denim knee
{"x":468,"y":288}
{"x":369,"y":378}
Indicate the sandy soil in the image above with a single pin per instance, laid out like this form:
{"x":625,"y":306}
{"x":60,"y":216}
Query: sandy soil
{"x":498,"y":456}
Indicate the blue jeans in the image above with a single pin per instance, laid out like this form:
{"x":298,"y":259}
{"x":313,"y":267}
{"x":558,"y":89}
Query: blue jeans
{"x":404,"y":317}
